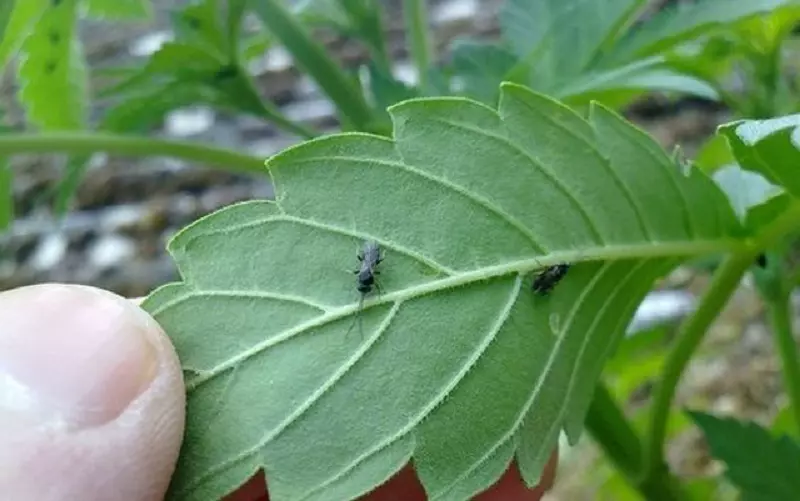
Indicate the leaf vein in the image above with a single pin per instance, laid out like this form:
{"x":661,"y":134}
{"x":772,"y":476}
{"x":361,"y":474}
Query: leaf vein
{"x":252,"y":294}
{"x":605,"y":162}
{"x":434,"y":265}
{"x":557,"y":422}
{"x":460,"y":190}
{"x":544,"y":170}
{"x":448,"y":388}
{"x":534,"y":394}
{"x":671,"y":173}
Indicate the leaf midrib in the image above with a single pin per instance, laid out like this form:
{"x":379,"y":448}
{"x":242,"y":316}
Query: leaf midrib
{"x":522,"y":266}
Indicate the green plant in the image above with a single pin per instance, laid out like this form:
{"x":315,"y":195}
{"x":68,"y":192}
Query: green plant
{"x":613,"y":61}
{"x":456,"y":327}
{"x":456,"y":364}
{"x":579,"y":51}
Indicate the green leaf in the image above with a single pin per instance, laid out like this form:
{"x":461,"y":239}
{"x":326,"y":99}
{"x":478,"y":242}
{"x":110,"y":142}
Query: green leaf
{"x":714,"y":154}
{"x":6,"y":194}
{"x":763,"y":467}
{"x":386,"y":89}
{"x":479,"y":67}
{"x":687,"y":21}
{"x":118,"y":9}
{"x":747,"y":190}
{"x":784,"y":423}
{"x":75,"y":168}
{"x":455,"y":363}
{"x":235,"y":13}
{"x":323,"y":12}
{"x":200,"y":23}
{"x":177,"y":75}
{"x":20,"y":22}
{"x":768,"y":147}
{"x":52,"y":73}
{"x":638,"y":360}
{"x":640,"y":76}
{"x":573,"y":30}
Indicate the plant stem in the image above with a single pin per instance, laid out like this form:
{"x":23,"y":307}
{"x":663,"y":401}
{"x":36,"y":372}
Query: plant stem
{"x":780,"y":318}
{"x":417,"y":31}
{"x":312,"y":58}
{"x":688,"y":338}
{"x":92,"y":142}
{"x":608,"y":426}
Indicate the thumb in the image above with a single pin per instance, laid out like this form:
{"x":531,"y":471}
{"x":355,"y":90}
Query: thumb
{"x":91,"y":397}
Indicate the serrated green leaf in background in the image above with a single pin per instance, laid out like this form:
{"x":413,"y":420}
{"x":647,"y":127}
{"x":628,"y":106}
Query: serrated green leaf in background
{"x":22,"y":18}
{"x":765,"y":468}
{"x":479,"y":67}
{"x":6,"y":194}
{"x":456,"y":363}
{"x":52,"y":72}
{"x":574,"y":30}
{"x":118,"y":9}
{"x":768,"y":147}
{"x":685,"y":21}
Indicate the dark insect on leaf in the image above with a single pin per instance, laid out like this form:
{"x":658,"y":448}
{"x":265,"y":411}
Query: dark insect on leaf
{"x":370,"y":258}
{"x":548,"y":278}
{"x":761,"y":260}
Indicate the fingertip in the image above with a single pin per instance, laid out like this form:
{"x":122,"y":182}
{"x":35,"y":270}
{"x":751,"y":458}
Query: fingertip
{"x":95,"y":393}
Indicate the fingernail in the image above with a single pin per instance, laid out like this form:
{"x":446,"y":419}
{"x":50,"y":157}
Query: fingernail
{"x":70,"y":357}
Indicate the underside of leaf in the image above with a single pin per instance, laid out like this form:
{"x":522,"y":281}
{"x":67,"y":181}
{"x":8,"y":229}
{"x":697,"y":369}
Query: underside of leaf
{"x":454,"y":363}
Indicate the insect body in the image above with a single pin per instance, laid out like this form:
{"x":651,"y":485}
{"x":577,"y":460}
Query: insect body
{"x":370,"y":257}
{"x":549,"y":277}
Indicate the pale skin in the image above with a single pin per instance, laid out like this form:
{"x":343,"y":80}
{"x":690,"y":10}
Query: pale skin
{"x":92,"y":405}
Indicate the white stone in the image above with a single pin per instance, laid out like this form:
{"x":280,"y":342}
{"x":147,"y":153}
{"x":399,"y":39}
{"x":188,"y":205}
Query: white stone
{"x":148,"y":44}
{"x":50,"y":251}
{"x":189,"y":121}
{"x":111,"y":250}
{"x":661,"y":307}
{"x":454,"y":11}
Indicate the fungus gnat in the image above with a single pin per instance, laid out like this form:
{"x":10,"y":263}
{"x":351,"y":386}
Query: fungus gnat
{"x":370,"y":256}
{"x":548,"y":278}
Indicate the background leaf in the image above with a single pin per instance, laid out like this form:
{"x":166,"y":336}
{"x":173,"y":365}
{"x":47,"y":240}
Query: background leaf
{"x":22,"y":17}
{"x":118,"y":9}
{"x":573,"y":30}
{"x":456,"y":363}
{"x":763,"y":467}
{"x":686,"y":21}
{"x":634,"y":78}
{"x":769,"y":147}
{"x":478,"y":67}
{"x":52,"y":72}
{"x":746,"y":190}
